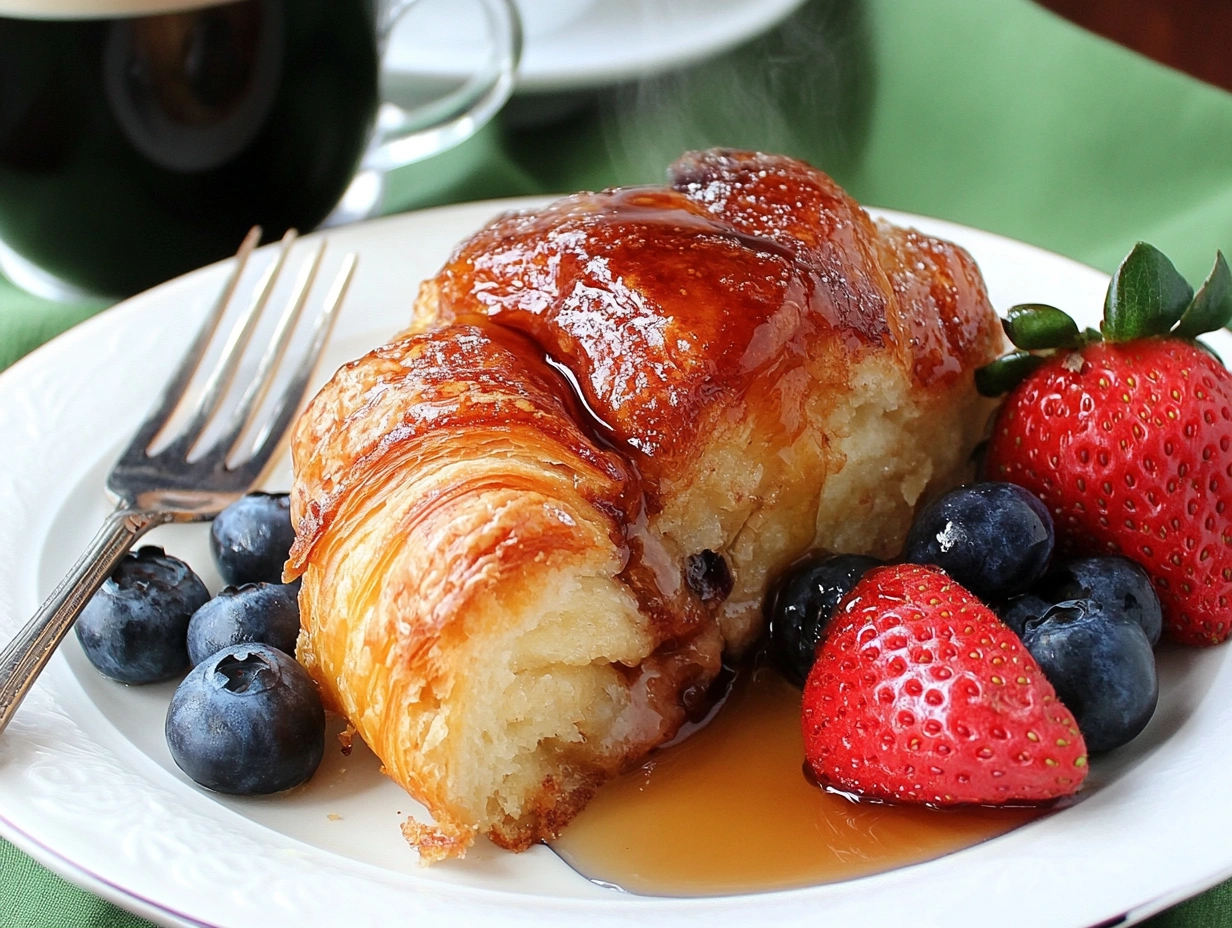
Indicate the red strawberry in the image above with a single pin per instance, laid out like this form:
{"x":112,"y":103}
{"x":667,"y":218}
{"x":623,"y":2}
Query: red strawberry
{"x":1129,"y":441}
{"x":1129,"y":447}
{"x":920,"y":694}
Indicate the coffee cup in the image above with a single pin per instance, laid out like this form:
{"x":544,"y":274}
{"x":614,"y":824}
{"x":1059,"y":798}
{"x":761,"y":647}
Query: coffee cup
{"x":141,"y":138}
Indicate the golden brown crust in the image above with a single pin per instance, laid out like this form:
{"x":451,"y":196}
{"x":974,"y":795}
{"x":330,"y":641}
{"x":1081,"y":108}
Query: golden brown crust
{"x":410,"y":394}
{"x":593,"y":394}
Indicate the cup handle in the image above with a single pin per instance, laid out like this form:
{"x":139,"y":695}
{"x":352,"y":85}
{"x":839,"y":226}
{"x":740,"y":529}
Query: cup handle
{"x":404,"y":136}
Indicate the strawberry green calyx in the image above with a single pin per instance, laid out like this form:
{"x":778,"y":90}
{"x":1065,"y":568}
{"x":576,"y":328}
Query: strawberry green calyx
{"x":1038,"y":331}
{"x":1037,"y":325}
{"x":1005,"y":373}
{"x":1211,"y":308}
{"x":1146,"y":297}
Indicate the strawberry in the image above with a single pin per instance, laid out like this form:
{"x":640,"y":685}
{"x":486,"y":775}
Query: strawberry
{"x":921,"y":694}
{"x":1127,"y":437}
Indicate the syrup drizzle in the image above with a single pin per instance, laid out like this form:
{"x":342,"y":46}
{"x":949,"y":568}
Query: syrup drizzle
{"x":729,"y":810}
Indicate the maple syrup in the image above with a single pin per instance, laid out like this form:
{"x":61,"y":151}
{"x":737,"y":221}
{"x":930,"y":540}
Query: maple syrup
{"x":729,"y":810}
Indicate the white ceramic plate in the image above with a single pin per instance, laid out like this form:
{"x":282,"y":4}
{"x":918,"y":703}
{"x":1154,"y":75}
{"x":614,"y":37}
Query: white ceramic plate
{"x":87,"y":785}
{"x":584,"y":44}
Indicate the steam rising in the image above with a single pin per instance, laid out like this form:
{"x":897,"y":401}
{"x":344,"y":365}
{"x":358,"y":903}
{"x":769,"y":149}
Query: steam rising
{"x":804,"y":89}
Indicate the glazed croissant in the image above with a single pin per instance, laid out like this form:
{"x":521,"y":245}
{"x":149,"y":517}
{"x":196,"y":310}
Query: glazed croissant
{"x":530,"y":528}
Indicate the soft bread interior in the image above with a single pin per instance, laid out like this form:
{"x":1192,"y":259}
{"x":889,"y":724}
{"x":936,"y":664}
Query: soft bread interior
{"x":562,"y":712}
{"x":848,"y":481}
{"x":541,"y":713}
{"x":498,"y":649}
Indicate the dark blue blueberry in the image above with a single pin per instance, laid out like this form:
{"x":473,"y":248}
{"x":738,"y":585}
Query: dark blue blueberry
{"x":133,"y":629}
{"x":251,"y":538}
{"x":246,"y":720}
{"x":803,"y":604}
{"x":993,"y":538}
{"x":1102,"y":668}
{"x":255,"y":612}
{"x":1020,"y":610}
{"x":1116,"y":583}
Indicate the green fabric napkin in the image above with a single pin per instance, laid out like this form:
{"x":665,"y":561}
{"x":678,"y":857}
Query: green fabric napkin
{"x":994,"y":114}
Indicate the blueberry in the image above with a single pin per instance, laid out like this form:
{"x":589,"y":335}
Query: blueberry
{"x":246,"y":720}
{"x":1021,"y":610}
{"x":1116,"y":583}
{"x":255,"y":612}
{"x":803,"y":603}
{"x":993,"y":538}
{"x":1101,"y":666}
{"x":133,"y":629}
{"x":251,"y":538}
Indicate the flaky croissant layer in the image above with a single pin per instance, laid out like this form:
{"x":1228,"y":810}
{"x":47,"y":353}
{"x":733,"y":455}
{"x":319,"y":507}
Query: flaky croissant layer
{"x":530,"y":528}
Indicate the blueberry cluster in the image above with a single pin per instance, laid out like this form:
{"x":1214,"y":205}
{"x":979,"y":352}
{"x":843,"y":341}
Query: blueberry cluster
{"x":247,"y":718}
{"x":1090,"y":623}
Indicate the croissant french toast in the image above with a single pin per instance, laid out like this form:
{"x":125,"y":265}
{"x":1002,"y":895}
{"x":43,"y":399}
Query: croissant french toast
{"x":530,"y":528}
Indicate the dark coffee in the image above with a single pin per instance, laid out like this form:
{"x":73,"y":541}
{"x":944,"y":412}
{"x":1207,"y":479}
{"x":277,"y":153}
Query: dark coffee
{"x":135,"y":149}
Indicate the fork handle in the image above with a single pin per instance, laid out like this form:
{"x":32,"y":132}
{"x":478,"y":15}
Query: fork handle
{"x":24,"y":658}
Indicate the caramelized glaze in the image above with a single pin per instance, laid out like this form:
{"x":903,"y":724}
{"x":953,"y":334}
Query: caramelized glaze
{"x":667,"y":303}
{"x":729,"y":810}
{"x":656,"y":308}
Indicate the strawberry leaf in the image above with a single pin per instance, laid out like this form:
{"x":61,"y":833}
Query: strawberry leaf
{"x":1211,"y":308}
{"x":1003,"y":374}
{"x":1037,"y":325}
{"x":1147,"y":295}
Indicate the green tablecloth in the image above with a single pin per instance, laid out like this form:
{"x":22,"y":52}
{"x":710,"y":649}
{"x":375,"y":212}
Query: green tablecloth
{"x":992,"y":113}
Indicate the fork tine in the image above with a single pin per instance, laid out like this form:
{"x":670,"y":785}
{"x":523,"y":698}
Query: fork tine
{"x":228,"y":362}
{"x":173,"y":393}
{"x":293,"y":394}
{"x":263,"y":379}
{"x":154,"y":490}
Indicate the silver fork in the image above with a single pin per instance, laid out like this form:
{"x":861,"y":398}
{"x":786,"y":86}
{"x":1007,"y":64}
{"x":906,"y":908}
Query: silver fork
{"x":155,"y":487}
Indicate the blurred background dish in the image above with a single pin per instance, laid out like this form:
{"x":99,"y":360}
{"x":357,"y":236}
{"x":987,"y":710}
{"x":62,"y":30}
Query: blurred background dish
{"x":576,"y":45}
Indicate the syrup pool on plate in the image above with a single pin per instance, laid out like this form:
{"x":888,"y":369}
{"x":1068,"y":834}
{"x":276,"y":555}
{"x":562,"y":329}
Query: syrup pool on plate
{"x":729,"y":810}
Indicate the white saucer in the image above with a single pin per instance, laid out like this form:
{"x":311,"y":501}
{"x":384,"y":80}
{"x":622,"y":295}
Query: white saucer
{"x":585,"y":44}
